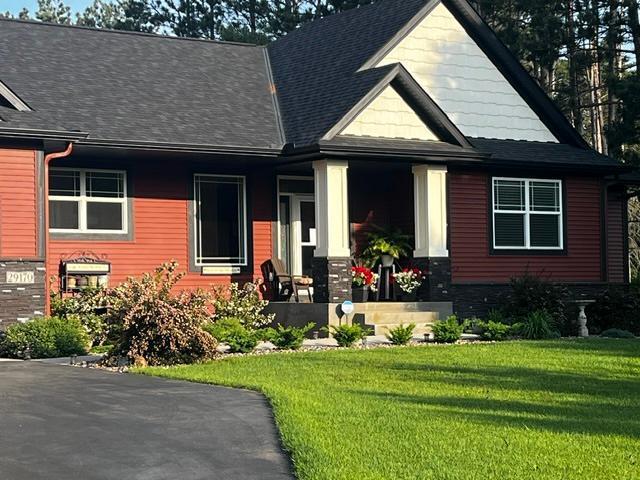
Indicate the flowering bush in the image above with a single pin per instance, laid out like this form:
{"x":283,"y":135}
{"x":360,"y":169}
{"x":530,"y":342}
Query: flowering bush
{"x":243,"y":303}
{"x":409,"y":279}
{"x":158,"y":326}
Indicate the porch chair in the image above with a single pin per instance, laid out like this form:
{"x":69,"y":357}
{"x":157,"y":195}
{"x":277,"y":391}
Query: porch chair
{"x":284,"y":285}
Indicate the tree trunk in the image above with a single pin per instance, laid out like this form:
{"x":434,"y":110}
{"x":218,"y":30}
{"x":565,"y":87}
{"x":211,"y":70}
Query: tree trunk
{"x":634,"y":26}
{"x":574,"y":99}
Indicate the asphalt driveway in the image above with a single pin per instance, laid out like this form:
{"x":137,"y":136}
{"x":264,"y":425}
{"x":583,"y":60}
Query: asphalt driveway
{"x":72,"y":423}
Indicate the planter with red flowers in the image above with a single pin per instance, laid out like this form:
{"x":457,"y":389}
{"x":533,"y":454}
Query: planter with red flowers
{"x":363,"y":280}
{"x":409,"y":281}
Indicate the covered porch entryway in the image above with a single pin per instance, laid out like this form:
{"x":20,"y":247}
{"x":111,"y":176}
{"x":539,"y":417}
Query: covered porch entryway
{"x":326,"y":208}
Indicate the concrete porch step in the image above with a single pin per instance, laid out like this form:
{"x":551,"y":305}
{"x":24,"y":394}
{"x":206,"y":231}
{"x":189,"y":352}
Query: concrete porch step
{"x":385,"y":318}
{"x":383,"y":329}
{"x":402,"y":307}
{"x":396,"y":318}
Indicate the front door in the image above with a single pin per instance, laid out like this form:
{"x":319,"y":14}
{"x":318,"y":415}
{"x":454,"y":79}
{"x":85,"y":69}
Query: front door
{"x":297,"y":225}
{"x":304,"y":228}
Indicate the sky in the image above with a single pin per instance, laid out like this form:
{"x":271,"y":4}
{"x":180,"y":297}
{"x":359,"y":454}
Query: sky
{"x":15,"y":6}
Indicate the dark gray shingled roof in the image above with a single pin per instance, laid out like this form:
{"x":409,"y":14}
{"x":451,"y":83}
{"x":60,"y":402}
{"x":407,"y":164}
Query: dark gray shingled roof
{"x":141,"y":89}
{"x":136,"y":87}
{"x":315,"y":67}
{"x":540,"y":152}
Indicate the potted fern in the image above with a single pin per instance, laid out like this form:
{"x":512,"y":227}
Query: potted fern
{"x":387,"y":246}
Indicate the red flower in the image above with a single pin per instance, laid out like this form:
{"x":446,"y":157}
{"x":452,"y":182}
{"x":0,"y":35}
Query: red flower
{"x":362,"y":276}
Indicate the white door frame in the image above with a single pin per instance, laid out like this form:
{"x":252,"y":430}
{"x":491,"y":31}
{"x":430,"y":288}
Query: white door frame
{"x":295,"y":240}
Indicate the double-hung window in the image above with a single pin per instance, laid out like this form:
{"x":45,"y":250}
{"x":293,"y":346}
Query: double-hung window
{"x":527,"y":214}
{"x":87,"y":201}
{"x":220,"y":220}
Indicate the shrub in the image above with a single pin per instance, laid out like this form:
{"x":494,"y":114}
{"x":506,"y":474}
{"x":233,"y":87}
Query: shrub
{"x":495,"y":315}
{"x":232,"y":332}
{"x":401,"y":335}
{"x":448,"y":331}
{"x":347,"y":335}
{"x":244,"y":304}
{"x":46,"y":337}
{"x":84,"y":306}
{"x":617,"y":333}
{"x":494,"y":330}
{"x":157,"y":326}
{"x":538,"y":325}
{"x":516,"y":329}
{"x":288,"y":338}
{"x":615,"y":309}
{"x":530,"y":293}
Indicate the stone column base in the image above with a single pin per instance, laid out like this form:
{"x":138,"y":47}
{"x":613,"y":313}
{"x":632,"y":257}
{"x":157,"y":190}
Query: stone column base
{"x":331,"y":280}
{"x":21,"y":291}
{"x":437,"y":286}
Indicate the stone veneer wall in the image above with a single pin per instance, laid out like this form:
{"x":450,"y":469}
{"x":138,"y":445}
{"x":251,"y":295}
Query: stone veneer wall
{"x":437,"y":287}
{"x":331,"y":280}
{"x":471,"y":300}
{"x":20,"y":302}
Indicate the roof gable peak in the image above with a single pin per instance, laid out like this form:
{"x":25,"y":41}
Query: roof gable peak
{"x":414,"y":98}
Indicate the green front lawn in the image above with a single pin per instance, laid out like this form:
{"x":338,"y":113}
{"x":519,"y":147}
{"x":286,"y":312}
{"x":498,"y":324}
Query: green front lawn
{"x":562,"y":409}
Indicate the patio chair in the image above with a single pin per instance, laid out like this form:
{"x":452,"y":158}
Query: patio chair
{"x":283,"y":285}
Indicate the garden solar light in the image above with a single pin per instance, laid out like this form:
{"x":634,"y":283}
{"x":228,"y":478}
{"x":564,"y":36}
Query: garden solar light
{"x":27,"y":353}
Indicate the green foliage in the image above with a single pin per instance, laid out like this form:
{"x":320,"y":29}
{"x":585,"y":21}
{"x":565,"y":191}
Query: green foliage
{"x":233,"y":332}
{"x":83,"y":307}
{"x":101,"y":349}
{"x":347,"y":335}
{"x":386,"y":242}
{"x":495,"y":331}
{"x":243,"y":304}
{"x":401,"y":335}
{"x":288,"y":338}
{"x":448,"y":331}
{"x":158,"y":325}
{"x":538,"y":325}
{"x":47,"y":337}
{"x":617,"y":333}
{"x":615,"y":308}
{"x":495,"y":315}
{"x":530,"y":293}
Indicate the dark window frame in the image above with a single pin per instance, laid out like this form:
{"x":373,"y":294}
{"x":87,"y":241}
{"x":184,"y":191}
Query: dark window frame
{"x":194,"y":228}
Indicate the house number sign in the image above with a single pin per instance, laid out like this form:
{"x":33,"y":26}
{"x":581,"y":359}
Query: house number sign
{"x":20,"y":277}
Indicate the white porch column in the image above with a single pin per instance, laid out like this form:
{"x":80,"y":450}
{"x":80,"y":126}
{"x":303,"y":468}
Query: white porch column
{"x":332,"y":209}
{"x":430,"y":210}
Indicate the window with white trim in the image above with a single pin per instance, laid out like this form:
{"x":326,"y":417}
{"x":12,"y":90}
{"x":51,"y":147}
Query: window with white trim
{"x":527,"y":214}
{"x":87,"y":201}
{"x":220,"y":220}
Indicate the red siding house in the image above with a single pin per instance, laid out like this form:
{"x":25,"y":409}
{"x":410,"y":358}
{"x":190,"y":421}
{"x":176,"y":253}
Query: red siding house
{"x":136,"y":149}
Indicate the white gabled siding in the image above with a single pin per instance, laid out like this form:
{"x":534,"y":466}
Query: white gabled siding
{"x":388,"y":116}
{"x":456,"y":73}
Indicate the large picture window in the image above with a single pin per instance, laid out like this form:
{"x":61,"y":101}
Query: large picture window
{"x":527,"y":214}
{"x":87,"y":201}
{"x":220,"y":220}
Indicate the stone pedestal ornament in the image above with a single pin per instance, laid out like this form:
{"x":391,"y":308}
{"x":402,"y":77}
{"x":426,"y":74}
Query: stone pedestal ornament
{"x":583,"y":331}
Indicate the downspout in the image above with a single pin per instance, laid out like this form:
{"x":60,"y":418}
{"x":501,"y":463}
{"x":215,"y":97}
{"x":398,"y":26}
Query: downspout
{"x":47,"y":159}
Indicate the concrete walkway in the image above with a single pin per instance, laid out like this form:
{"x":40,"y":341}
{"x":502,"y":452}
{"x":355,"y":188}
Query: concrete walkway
{"x":70,"y":423}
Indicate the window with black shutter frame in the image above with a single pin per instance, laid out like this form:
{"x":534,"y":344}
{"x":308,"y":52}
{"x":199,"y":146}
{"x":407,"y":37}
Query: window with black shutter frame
{"x":527,"y":214}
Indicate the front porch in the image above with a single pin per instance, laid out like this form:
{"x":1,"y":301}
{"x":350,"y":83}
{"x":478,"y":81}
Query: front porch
{"x":327,"y":208}
{"x":378,"y":316}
